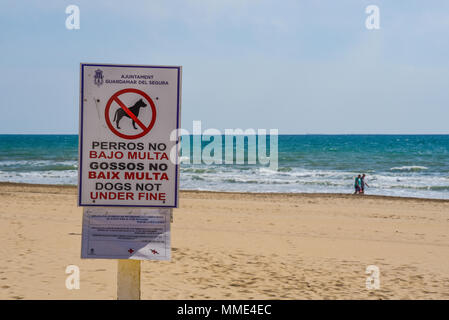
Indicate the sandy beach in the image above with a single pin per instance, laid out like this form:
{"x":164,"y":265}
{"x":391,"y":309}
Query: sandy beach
{"x":237,"y":246}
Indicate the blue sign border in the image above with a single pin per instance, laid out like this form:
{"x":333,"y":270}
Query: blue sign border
{"x":80,"y":144}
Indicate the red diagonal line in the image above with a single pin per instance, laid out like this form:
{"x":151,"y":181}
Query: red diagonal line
{"x":132,"y":115}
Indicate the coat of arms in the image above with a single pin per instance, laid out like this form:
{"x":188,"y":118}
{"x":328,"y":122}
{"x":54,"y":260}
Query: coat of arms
{"x":98,"y":78}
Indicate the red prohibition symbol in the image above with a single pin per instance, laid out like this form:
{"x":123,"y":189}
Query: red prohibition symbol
{"x":145,"y":129}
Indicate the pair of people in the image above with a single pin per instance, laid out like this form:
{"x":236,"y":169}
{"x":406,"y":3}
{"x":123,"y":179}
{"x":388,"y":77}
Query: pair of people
{"x":359,"y":184}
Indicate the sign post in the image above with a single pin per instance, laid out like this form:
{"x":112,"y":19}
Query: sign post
{"x":128,"y":165}
{"x":128,"y":280}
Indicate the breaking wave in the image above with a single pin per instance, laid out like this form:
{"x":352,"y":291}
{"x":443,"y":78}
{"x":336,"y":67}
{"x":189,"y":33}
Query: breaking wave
{"x":409,"y":168}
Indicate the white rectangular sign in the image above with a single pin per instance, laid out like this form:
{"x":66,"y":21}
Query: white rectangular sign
{"x":140,"y":234}
{"x":129,"y":116}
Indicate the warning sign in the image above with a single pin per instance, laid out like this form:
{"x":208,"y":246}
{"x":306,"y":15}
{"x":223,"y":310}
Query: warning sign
{"x":142,"y":101}
{"x":117,"y":233}
{"x":128,"y":148}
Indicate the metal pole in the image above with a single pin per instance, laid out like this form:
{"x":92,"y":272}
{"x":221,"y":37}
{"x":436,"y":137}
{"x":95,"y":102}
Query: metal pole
{"x":128,"y":280}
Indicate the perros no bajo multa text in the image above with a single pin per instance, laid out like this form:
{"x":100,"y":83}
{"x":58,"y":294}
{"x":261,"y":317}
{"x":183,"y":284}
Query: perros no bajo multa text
{"x":156,"y":153}
{"x":132,"y":171}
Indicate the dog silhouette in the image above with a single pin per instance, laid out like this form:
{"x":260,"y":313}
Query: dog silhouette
{"x":119,"y":113}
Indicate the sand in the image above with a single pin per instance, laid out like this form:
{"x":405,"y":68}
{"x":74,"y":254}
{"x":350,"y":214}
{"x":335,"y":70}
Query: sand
{"x":237,"y":246}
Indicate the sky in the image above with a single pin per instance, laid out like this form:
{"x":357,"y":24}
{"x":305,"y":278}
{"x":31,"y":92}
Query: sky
{"x":303,"y":67}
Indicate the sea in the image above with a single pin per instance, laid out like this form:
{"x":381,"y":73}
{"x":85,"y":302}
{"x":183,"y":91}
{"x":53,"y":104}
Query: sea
{"x":395,"y":165}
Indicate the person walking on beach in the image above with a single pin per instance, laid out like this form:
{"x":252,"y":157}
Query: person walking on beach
{"x":357,"y":184}
{"x":363,"y":184}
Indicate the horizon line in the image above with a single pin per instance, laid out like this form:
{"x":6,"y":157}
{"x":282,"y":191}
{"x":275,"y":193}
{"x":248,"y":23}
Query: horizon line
{"x":280,"y":134}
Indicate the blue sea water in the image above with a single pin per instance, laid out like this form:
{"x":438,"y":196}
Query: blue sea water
{"x":399,"y":165}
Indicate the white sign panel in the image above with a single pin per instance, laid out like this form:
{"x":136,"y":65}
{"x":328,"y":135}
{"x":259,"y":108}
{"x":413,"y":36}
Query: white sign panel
{"x":140,"y":234}
{"x":128,"y":138}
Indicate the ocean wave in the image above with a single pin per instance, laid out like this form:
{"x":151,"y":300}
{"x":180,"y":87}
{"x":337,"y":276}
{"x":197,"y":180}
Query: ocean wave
{"x":409,"y":168}
{"x":285,"y":169}
{"x":414,"y":187}
{"x":198,"y":170}
{"x":235,"y":180}
{"x":267,"y":171}
{"x":37,"y":165}
{"x":67,"y":177}
{"x":322,"y":183}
